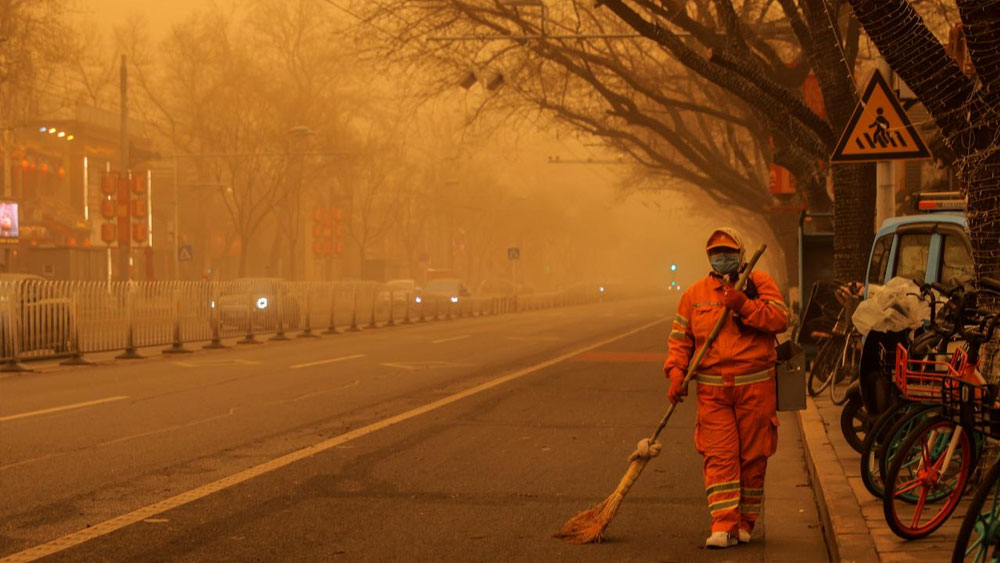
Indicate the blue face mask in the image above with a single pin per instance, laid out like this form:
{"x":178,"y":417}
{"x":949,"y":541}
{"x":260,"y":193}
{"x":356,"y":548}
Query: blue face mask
{"x":725,"y":262}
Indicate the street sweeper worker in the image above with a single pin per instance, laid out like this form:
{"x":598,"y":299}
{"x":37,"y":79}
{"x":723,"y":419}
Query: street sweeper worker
{"x":736,"y":429}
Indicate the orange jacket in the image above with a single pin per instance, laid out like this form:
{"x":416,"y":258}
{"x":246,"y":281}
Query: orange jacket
{"x":736,"y":351}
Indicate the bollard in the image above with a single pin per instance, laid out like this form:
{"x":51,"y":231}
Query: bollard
{"x":372,"y":323}
{"x":354,"y":312}
{"x":178,"y":345}
{"x":249,"y":338}
{"x":437,"y":309}
{"x":392,"y":305}
{"x":76,"y":355}
{"x":422,"y":318}
{"x":307,"y":330}
{"x":280,"y":313}
{"x":216,"y":342}
{"x":407,"y":299}
{"x":331,"y":327}
{"x":130,"y":352}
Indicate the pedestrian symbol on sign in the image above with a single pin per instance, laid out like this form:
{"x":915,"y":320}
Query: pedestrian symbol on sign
{"x":881,"y":126}
{"x":514,"y":253}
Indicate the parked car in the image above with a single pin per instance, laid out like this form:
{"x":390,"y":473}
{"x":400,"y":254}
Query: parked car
{"x":399,"y":290}
{"x":931,"y":247}
{"x":261,"y":300}
{"x":44,"y":317}
{"x":445,"y":289}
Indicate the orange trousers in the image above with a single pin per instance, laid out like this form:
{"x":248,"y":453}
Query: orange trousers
{"x":736,"y":431}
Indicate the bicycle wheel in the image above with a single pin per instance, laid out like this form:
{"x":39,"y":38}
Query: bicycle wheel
{"x":826,"y":361}
{"x":933,"y":463}
{"x":846,"y":371}
{"x":854,"y":422}
{"x":979,"y":537}
{"x":886,"y":430}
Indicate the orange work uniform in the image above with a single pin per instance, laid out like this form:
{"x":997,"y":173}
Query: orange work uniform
{"x":736,"y":429}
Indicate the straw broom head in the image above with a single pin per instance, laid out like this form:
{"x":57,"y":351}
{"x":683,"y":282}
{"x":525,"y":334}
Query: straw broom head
{"x":588,"y":526}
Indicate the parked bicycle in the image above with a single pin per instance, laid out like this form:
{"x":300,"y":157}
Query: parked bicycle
{"x":930,"y":468}
{"x":839,"y":350}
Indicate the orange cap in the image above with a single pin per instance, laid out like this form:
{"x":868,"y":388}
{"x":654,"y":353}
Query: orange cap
{"x":720,"y":239}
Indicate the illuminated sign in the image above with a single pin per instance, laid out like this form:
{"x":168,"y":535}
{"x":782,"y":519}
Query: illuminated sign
{"x":9,"y":231}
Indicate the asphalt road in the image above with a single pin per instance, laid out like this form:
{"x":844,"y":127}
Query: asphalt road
{"x":327,"y":450}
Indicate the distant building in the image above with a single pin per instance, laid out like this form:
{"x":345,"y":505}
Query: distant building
{"x":53,"y":166}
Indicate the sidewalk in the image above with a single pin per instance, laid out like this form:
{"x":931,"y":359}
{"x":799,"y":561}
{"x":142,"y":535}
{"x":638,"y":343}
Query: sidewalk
{"x":854,"y":525}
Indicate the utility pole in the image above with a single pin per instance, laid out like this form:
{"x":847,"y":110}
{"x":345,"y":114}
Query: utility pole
{"x":885,"y":170}
{"x":124,"y":239}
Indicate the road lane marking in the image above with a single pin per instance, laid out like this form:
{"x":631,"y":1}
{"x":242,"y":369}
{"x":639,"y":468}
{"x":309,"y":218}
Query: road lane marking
{"x":330,"y":361}
{"x":217,"y":363}
{"x":108,"y":526}
{"x":451,"y":339}
{"x":414,"y":366}
{"x":167,"y":429}
{"x":62,"y":408}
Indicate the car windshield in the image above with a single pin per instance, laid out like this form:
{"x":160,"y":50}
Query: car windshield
{"x":442,"y":286}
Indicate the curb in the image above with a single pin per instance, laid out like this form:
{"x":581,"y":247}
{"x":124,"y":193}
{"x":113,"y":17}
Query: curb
{"x":847,"y":535}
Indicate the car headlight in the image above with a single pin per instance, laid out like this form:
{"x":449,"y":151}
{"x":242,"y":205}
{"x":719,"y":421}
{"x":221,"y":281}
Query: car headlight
{"x":419,"y":300}
{"x":262,"y":303}
{"x":454,"y":299}
{"x":601,"y":289}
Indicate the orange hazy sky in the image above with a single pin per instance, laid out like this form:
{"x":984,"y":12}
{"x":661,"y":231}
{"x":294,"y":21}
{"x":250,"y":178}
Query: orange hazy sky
{"x":159,"y":14}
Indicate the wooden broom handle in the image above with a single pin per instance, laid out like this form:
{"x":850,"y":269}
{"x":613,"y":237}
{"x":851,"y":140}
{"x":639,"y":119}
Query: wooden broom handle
{"x":693,"y":366}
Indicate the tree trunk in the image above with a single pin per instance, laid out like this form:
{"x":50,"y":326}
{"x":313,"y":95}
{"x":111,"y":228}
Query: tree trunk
{"x":785,"y":227}
{"x":853,"y":218}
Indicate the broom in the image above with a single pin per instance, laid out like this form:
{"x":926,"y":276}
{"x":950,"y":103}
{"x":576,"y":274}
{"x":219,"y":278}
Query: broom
{"x":588,"y":526}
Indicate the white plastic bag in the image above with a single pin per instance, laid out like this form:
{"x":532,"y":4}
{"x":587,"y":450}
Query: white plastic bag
{"x":895,"y":306}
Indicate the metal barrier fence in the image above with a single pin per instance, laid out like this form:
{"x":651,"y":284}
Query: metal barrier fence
{"x":46,"y":319}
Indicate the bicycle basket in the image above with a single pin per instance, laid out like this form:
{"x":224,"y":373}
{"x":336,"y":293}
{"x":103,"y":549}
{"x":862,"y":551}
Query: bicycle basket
{"x":921,"y":380}
{"x":971,"y":405}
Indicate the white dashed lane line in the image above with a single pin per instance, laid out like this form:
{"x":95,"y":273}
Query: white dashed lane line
{"x":62,"y":408}
{"x":330,"y":361}
{"x":451,"y":339}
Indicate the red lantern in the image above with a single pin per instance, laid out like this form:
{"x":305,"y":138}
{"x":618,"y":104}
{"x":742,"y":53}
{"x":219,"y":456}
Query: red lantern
{"x":139,"y":232}
{"x":109,"y":183}
{"x":108,"y":232}
{"x":108,"y":208}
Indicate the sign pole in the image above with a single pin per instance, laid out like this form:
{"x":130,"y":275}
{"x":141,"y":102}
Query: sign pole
{"x":124,"y":239}
{"x":885,"y":170}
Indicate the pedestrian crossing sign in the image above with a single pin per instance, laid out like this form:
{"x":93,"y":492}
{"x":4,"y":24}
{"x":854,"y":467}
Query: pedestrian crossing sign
{"x":879,"y":129}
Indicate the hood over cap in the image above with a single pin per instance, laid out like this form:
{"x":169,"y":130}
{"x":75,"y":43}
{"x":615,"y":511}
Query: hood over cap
{"x":727,"y":237}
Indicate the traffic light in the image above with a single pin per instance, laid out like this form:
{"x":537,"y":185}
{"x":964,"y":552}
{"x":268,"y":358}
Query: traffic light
{"x":673,"y":267}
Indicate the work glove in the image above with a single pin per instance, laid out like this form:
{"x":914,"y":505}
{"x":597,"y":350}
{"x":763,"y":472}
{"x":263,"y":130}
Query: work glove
{"x":734,"y":299}
{"x":677,"y":390}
